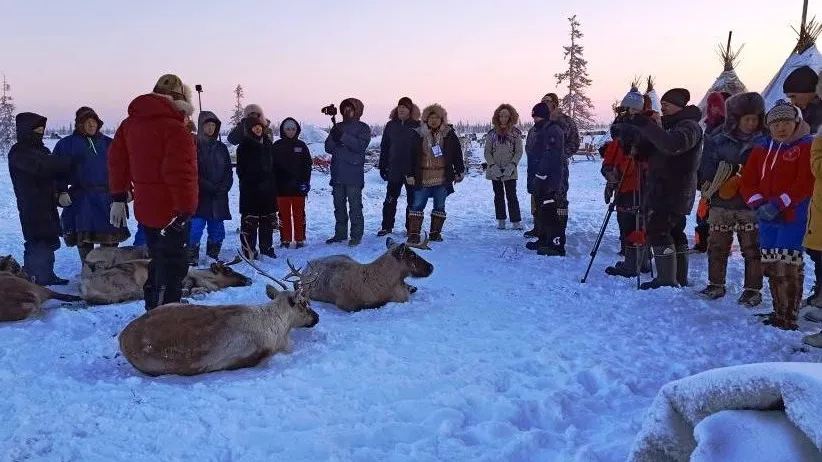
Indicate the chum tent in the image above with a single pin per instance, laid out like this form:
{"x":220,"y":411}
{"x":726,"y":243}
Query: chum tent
{"x":728,"y":81}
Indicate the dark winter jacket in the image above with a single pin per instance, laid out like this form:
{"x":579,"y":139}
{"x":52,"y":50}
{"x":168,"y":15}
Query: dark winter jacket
{"x":451,"y":153}
{"x":87,"y":184}
{"x":154,"y":150}
{"x":348,"y":155}
{"x":812,"y":114}
{"x":292,"y":163}
{"x":214,"y":170}
{"x":545,"y":151}
{"x":34,"y":173}
{"x":675,"y":160}
{"x":570,"y":132}
{"x":400,"y":144}
{"x":255,"y":169}
{"x":235,"y":136}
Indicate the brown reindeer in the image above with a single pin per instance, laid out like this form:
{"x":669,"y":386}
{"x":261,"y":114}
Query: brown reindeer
{"x":187,"y":339}
{"x":124,"y":282}
{"x":354,"y":286}
{"x":19,"y":297}
{"x":106,"y":257}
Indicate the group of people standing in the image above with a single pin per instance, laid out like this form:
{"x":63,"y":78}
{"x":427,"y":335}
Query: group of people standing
{"x":759,"y":173}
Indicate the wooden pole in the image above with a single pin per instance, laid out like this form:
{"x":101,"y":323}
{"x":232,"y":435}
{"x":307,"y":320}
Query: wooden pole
{"x":730,"y":32}
{"x":803,"y":29}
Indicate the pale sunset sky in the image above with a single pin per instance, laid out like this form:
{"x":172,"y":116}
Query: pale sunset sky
{"x":293,"y":57}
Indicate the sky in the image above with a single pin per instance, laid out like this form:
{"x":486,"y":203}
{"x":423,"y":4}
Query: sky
{"x":295,"y":57}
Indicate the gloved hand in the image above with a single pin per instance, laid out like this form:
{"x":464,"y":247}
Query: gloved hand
{"x":409,"y":180}
{"x":336,"y":134}
{"x":64,"y":199}
{"x":384,"y":174}
{"x":304,"y":188}
{"x":459,"y":177}
{"x":118,"y":214}
{"x":176,"y":227}
{"x":767,"y":211}
{"x":609,"y":192}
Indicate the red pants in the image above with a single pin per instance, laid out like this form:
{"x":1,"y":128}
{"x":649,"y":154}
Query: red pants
{"x":292,"y":213}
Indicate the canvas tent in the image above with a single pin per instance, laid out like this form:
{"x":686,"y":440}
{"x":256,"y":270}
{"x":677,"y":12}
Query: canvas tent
{"x":728,"y":80}
{"x":804,"y":54}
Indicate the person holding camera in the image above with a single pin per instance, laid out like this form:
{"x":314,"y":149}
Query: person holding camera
{"x":258,"y":190}
{"x":154,"y":151}
{"x":85,"y":195}
{"x":400,"y":144}
{"x":672,"y":181}
{"x":255,"y":113}
{"x":503,"y":151}
{"x":545,"y":149}
{"x":434,"y":170}
{"x":779,"y":190}
{"x":724,"y":153}
{"x":571,"y":143}
{"x":347,"y":143}
{"x":624,"y":166}
{"x":292,"y":168}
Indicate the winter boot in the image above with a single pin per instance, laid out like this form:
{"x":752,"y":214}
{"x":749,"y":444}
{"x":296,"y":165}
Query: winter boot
{"x":516,"y":225}
{"x":750,"y":298}
{"x":534,"y":232}
{"x":777,"y":283}
{"x":248,"y":235}
{"x":647,"y":259}
{"x":665,"y":261}
{"x":383,"y":232}
{"x":713,"y":291}
{"x":299,"y":245}
{"x":269,"y":252}
{"x":551,"y":240}
{"x":414,"y":227}
{"x":815,"y":299}
{"x":268,"y":224}
{"x":748,"y":236}
{"x":814,"y":340}
{"x":193,"y":255}
{"x":682,"y":255}
{"x":500,"y":224}
{"x":437,"y":222}
{"x":627,"y":268}
{"x":213,"y":250}
{"x":794,"y":278}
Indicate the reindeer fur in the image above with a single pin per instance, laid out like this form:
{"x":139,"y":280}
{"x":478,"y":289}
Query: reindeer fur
{"x":353,"y":286}
{"x":187,"y":339}
{"x":19,"y":297}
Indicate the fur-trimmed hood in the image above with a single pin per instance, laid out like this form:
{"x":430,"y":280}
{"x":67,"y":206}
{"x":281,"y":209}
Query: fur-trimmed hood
{"x":202,"y":119}
{"x":415,"y":114}
{"x":183,"y":106}
{"x":514,"y":116}
{"x":359,"y":107}
{"x":282,"y":128}
{"x":743,"y":104}
{"x":435,"y":109}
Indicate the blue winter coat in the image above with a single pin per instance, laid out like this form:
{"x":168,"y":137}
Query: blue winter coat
{"x":348,"y":156}
{"x":87,"y":184}
{"x":215,"y":174}
{"x":545,"y":151}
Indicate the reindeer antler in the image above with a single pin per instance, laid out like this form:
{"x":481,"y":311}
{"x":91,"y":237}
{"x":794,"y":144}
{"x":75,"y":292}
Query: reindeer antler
{"x":297,"y":278}
{"x":260,"y":270}
{"x":422,"y":245}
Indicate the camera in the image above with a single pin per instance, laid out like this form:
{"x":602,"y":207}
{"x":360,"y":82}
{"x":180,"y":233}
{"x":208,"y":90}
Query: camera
{"x":198,"y":88}
{"x":329,"y":110}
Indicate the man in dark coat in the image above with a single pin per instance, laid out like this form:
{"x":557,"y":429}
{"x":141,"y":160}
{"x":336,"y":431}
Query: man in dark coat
{"x":34,"y":172}
{"x":258,"y":190}
{"x":800,"y":88}
{"x":154,"y":150}
{"x":672,"y":183}
{"x":347,"y":143}
{"x":215,"y":180}
{"x":400,"y":144}
{"x":545,"y":149}
{"x":254,"y":112}
{"x":571,"y":142}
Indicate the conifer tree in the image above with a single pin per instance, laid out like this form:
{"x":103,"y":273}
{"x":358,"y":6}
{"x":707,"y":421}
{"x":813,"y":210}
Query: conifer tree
{"x":576,"y":103}
{"x":7,"y":125}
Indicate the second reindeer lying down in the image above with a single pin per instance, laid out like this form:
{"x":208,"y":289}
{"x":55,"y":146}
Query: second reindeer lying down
{"x":187,"y":339}
{"x":19,"y":297}
{"x":354,"y":286}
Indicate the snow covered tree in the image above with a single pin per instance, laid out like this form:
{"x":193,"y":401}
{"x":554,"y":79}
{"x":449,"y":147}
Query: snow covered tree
{"x":7,"y":128}
{"x":237,"y":116}
{"x":576,"y":103}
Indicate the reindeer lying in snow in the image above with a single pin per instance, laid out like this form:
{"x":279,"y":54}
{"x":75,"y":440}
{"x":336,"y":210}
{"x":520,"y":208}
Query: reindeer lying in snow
{"x":354,"y":286}
{"x":19,"y":297}
{"x":194,"y":339}
{"x":106,"y":257}
{"x":124,"y":281}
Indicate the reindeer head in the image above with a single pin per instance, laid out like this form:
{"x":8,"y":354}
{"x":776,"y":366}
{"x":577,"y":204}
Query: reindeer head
{"x":227,"y":275}
{"x":404,"y":253}
{"x":9,"y":265}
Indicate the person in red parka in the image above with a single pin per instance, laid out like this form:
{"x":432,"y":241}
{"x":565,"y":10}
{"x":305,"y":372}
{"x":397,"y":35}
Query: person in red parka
{"x":154,"y":151}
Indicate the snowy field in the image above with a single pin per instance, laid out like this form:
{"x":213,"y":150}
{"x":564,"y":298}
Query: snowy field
{"x":502,"y":355}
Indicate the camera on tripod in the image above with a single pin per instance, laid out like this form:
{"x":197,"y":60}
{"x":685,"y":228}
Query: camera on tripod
{"x":329,"y":110}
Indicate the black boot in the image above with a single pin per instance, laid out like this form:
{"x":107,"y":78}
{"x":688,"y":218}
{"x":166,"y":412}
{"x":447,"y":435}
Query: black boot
{"x":193,"y":255}
{"x":552,"y":236}
{"x":665,"y":260}
{"x":627,"y":268}
{"x":682,"y":266}
{"x":213,"y":249}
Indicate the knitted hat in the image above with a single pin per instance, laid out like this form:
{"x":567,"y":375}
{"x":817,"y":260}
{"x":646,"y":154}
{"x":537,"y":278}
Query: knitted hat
{"x":633,"y":100}
{"x":85,"y":113}
{"x":406,"y":103}
{"x":677,"y":96}
{"x":541,"y":110}
{"x":783,"y":111}
{"x":801,"y":80}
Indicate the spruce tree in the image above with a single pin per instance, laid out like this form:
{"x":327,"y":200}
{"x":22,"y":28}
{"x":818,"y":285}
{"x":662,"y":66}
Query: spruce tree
{"x":237,"y":116}
{"x":576,"y":103}
{"x":7,"y":127}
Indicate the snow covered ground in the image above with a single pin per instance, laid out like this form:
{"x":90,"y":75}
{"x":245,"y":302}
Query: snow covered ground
{"x":502,"y":355}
